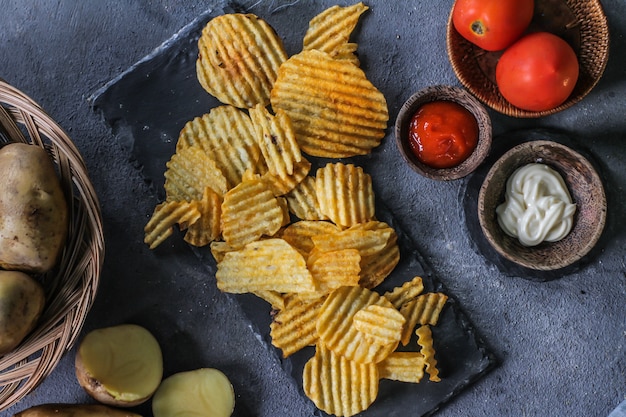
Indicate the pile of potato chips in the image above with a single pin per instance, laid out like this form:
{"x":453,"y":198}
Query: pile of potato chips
{"x":306,"y":242}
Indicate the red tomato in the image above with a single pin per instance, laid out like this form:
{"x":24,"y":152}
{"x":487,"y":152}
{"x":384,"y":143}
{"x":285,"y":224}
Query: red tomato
{"x":538,"y":72}
{"x":492,"y":24}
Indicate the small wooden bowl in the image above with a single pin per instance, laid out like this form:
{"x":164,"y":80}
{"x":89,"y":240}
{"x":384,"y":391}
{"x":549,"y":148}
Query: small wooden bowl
{"x":585,"y":187}
{"x":582,"y":23}
{"x":446,"y":93}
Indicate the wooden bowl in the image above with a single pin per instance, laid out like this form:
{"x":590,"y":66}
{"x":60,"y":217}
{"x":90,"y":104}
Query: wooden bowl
{"x":586,"y":190}
{"x":582,"y":23}
{"x":446,"y":93}
{"x":71,"y":286}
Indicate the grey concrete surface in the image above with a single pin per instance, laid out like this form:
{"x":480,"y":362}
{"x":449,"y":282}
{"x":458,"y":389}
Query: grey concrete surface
{"x":561,"y":344}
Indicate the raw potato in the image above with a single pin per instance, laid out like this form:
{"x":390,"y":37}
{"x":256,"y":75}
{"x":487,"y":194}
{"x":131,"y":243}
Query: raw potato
{"x":22,"y":300}
{"x":74,"y":410}
{"x":33,"y":210}
{"x":201,"y":392}
{"x":120,"y":365}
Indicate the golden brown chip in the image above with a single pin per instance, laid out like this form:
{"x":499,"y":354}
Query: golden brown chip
{"x":270,"y":264}
{"x":227,"y":135}
{"x":165,"y":216}
{"x":303,"y":201}
{"x":424,"y":309}
{"x":330,"y":31}
{"x":207,"y":228}
{"x":335,"y":110}
{"x":337,"y":385}
{"x":367,"y":242}
{"x":238,"y":59}
{"x":282,"y":186}
{"x":189,"y":171}
{"x":403,"y":367}
{"x":299,"y":234}
{"x":425,"y":341}
{"x":405,"y":293}
{"x":335,"y":269}
{"x":293,"y":327}
{"x":345,"y":194}
{"x":250,"y":211}
{"x":375,"y":267}
{"x":382,"y":325}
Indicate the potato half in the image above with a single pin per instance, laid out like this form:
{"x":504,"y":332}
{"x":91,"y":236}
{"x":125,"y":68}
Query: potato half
{"x":74,"y":410}
{"x":120,"y":365}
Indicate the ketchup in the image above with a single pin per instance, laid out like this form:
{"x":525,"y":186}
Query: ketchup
{"x":442,"y":134}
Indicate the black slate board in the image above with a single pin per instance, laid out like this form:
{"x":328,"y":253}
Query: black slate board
{"x":146,"y":108}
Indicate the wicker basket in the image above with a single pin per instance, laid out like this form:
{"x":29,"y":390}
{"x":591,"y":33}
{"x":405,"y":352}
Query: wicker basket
{"x":71,"y":287}
{"x":582,"y":23}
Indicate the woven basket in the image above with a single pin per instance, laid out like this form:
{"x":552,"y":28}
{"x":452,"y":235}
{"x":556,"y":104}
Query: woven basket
{"x":582,"y":23}
{"x":71,"y":287}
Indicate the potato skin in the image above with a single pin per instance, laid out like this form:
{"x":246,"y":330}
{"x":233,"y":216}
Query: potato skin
{"x":73,"y":410}
{"x":22,"y":300}
{"x":33,"y":210}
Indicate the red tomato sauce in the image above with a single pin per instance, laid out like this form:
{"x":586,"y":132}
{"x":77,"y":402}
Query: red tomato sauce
{"x":443,"y":134}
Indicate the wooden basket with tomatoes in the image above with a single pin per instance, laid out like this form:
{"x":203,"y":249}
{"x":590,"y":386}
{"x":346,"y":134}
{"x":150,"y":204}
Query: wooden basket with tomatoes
{"x":528,"y":58}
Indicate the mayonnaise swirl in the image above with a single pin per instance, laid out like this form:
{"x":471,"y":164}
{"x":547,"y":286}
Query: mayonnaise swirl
{"x":537,"y":206}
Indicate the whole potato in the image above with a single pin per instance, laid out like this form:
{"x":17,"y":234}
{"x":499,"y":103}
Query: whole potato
{"x":21,"y":302}
{"x":74,"y":410}
{"x":33,"y":210}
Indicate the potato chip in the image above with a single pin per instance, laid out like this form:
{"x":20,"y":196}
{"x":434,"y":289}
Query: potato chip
{"x":424,"y":309}
{"x":219,"y":249}
{"x":337,"y":331}
{"x":165,"y":216}
{"x":330,"y":31}
{"x":367,"y":242}
{"x":303,"y":202}
{"x":335,"y":110}
{"x":250,"y":211}
{"x":188,"y":172}
{"x":274,"y":298}
{"x":238,"y":59}
{"x":338,"y":385}
{"x":335,"y":269}
{"x":293,"y":327}
{"x":375,"y":267}
{"x":228,"y":136}
{"x":382,"y":325}
{"x":405,"y":293}
{"x":299,"y":234}
{"x":270,"y":264}
{"x":281,"y":186}
{"x":207,"y":228}
{"x":345,"y":194}
{"x":425,"y":341}
{"x":403,"y":367}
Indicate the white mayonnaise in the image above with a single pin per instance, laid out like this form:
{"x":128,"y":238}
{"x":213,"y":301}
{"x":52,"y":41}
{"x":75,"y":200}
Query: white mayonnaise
{"x":537,"y":206}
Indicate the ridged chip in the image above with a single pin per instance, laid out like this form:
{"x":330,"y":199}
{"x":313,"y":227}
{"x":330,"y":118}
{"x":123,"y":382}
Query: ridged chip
{"x":337,"y":385}
{"x":189,"y":171}
{"x":303,"y":201}
{"x":425,"y":341}
{"x":293,"y":327}
{"x":299,"y":234}
{"x":335,"y":110}
{"x":269,"y":264}
{"x":367,"y":242}
{"x":403,"y":367}
{"x":406,"y":292}
{"x":238,"y":59}
{"x":228,"y":136}
{"x":345,"y":194}
{"x":207,"y":228}
{"x":165,"y":216}
{"x":335,"y":269}
{"x":382,"y":325}
{"x":423,"y":309}
{"x":330,"y":31}
{"x":375,"y":267}
{"x":250,"y":211}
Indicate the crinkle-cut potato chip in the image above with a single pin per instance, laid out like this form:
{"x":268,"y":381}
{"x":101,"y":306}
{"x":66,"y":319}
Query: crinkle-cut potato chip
{"x":299,"y":234}
{"x":335,"y":269}
{"x":189,"y":171}
{"x":335,"y":110}
{"x":367,"y":242}
{"x":269,"y":264}
{"x":277,"y":141}
{"x":345,"y":194}
{"x":382,"y":325}
{"x":423,"y":309}
{"x":338,"y":385}
{"x":207,"y":228}
{"x":330,"y":31}
{"x":275,"y":299}
{"x":376,"y":267}
{"x":425,"y":341}
{"x":228,"y":136}
{"x":406,"y":292}
{"x":337,"y":331}
{"x":403,"y":367}
{"x":282,"y":186}
{"x":250,"y":211}
{"x":293,"y":327}
{"x":303,"y":201}
{"x":238,"y":59}
{"x":219,"y":249}
{"x":165,"y":216}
